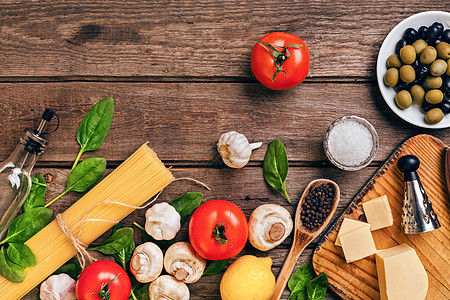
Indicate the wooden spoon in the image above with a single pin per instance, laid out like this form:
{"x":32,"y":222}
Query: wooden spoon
{"x":303,"y":236}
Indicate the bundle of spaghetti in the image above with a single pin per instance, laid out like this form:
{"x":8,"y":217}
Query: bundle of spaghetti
{"x":134,"y":182}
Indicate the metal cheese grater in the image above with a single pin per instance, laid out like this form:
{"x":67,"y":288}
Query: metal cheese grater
{"x":418,"y":214}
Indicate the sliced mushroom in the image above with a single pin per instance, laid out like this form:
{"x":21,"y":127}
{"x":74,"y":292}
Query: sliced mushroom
{"x":184,"y":263}
{"x":162,"y":221}
{"x":60,"y":286}
{"x":147,"y":262}
{"x":269,"y":225}
{"x":168,"y":287}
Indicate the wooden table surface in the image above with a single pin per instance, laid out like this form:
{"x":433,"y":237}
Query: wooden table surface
{"x":180,"y":74}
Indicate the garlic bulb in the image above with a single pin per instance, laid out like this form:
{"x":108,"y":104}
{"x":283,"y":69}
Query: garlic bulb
{"x":184,"y":263}
{"x":235,"y":149}
{"x":162,"y":221}
{"x":147,"y":262}
{"x":167,"y":287}
{"x":58,"y":287}
{"x":269,"y":225}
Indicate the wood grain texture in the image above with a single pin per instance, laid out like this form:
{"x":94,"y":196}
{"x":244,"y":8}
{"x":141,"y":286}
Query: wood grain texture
{"x":358,"y":280}
{"x":190,"y":38}
{"x":183,"y":121}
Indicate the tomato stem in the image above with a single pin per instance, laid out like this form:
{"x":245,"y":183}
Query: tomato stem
{"x":105,"y":293}
{"x":279,"y":57}
{"x":219,"y":233}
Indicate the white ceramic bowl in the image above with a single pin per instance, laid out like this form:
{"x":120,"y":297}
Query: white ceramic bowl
{"x":413,"y":115}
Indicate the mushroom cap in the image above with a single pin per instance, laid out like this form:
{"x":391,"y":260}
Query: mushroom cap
{"x":168,"y":287}
{"x":269,"y":225}
{"x":184,"y":263}
{"x":162,"y":221}
{"x":147,"y":262}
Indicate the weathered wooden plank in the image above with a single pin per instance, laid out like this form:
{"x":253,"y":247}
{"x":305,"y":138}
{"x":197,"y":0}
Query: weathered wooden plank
{"x":183,"y":121}
{"x":245,"y":187}
{"x":190,"y":38}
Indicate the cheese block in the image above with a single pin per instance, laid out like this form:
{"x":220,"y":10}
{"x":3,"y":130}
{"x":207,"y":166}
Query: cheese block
{"x":401,"y":275}
{"x":378,"y":213}
{"x":357,"y":244}
{"x":347,"y":226}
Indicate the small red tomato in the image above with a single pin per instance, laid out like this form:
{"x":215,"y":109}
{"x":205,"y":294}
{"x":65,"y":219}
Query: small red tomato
{"x":280,"y":60}
{"x":218,"y":230}
{"x":103,"y":279}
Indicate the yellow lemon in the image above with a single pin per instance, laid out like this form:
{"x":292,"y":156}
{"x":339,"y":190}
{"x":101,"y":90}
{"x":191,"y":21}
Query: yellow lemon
{"x":248,"y":278}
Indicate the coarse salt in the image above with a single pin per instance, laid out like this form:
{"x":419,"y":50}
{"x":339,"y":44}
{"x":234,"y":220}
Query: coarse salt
{"x":350,"y":143}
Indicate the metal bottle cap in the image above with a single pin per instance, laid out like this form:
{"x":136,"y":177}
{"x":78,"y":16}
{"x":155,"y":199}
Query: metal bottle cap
{"x":418,"y":214}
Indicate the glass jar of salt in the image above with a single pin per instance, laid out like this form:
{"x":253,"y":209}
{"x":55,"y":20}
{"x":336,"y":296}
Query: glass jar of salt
{"x":351,"y":143}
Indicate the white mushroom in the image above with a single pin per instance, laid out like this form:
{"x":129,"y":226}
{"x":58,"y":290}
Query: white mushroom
{"x":235,"y":149}
{"x":184,"y":263}
{"x":168,"y":287}
{"x":269,"y":225}
{"x":162,"y":221}
{"x":147,"y":262}
{"x":58,"y":287}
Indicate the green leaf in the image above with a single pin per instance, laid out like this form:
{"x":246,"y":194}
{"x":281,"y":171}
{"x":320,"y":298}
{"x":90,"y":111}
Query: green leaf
{"x":276,"y":166}
{"x":317,"y":288}
{"x":119,"y":240}
{"x":95,"y":126}
{"x":215,"y":266}
{"x":142,"y":293}
{"x":21,"y":255}
{"x":71,"y":268}
{"x":11,"y":271}
{"x":186,"y":204}
{"x":298,"y":281}
{"x":36,"y":197}
{"x":86,"y":174}
{"x":28,"y":224}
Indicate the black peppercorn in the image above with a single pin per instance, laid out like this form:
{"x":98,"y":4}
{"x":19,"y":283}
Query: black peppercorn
{"x":317,"y":206}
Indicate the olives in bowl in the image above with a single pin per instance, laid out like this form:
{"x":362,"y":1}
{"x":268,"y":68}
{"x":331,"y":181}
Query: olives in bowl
{"x":412,"y":70}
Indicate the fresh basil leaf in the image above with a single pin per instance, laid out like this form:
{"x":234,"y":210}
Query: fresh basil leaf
{"x":71,"y":268}
{"x":36,"y":197}
{"x":215,"y":266}
{"x":119,"y":240}
{"x":116,"y":227}
{"x":186,"y":204}
{"x":86,"y":174}
{"x":124,"y":256}
{"x":28,"y":224}
{"x":317,"y":288}
{"x":21,"y":255}
{"x":11,"y":271}
{"x":298,"y":281}
{"x":142,"y":293}
{"x":276,"y":166}
{"x":95,"y":126}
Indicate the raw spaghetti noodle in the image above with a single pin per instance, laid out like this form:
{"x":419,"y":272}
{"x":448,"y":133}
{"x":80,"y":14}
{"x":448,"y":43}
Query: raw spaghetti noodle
{"x":135,"y":181}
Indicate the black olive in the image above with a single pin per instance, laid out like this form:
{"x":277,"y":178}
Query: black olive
{"x":415,"y":64}
{"x":403,"y":86}
{"x":438,"y":26}
{"x":400,"y":44}
{"x":426,"y":106}
{"x":446,"y":35}
{"x":423,"y":32}
{"x":436,"y":42}
{"x":423,"y":71}
{"x":425,"y":87}
{"x":433,"y":34}
{"x":411,"y":35}
{"x":445,"y":105}
{"x":445,"y":87}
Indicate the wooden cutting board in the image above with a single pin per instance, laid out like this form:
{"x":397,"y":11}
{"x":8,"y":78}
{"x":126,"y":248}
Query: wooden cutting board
{"x":358,"y":280}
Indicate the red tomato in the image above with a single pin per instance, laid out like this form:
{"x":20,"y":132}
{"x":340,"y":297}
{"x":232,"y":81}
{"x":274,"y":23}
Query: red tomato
{"x":218,"y":230}
{"x":283,"y":68}
{"x":102,"y":277}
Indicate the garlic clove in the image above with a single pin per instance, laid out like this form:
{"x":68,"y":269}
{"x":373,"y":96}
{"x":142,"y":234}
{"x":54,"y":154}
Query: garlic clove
{"x":162,"y":221}
{"x":235,"y":149}
{"x":61,"y":287}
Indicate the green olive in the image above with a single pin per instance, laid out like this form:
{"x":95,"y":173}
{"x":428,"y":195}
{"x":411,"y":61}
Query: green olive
{"x":448,"y":67}
{"x":403,"y":99}
{"x":417,"y":93}
{"x":438,"y":67}
{"x":443,"y":50}
{"x":391,"y":77}
{"x":407,"y":73}
{"x":433,"y":82}
{"x":434,"y":96}
{"x":428,"y":55}
{"x":408,"y":54}
{"x":419,"y":45}
{"x":434,"y":116}
{"x":394,"y":61}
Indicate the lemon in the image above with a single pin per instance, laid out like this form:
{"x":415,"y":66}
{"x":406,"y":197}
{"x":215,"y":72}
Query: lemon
{"x":248,"y":278}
